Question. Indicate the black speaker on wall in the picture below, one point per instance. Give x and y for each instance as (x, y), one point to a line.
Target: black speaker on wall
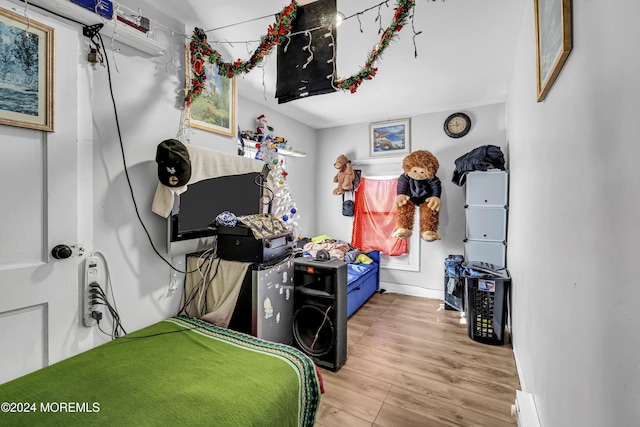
(320, 310)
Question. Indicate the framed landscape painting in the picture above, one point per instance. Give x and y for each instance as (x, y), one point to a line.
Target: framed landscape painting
(214, 110)
(26, 72)
(553, 41)
(391, 138)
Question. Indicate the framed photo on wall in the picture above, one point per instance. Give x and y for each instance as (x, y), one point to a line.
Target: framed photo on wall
(390, 138)
(26, 72)
(553, 41)
(214, 110)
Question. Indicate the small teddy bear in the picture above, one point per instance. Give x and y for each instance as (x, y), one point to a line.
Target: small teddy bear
(345, 175)
(418, 186)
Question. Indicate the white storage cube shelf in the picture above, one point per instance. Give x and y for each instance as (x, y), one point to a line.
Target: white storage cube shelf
(492, 252)
(486, 212)
(486, 223)
(486, 188)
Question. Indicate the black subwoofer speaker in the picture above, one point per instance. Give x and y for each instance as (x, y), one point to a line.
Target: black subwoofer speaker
(320, 310)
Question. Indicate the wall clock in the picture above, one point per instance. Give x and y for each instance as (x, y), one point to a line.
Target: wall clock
(457, 125)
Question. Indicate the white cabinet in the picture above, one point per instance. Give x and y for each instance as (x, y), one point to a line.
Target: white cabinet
(486, 212)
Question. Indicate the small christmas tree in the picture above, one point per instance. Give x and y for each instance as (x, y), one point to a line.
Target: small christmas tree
(283, 206)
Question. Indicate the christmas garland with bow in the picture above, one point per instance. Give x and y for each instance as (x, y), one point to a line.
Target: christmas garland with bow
(201, 51)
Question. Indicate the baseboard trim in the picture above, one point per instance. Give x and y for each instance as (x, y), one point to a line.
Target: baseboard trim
(526, 412)
(415, 291)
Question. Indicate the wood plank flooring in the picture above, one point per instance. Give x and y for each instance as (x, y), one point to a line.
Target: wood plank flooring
(410, 363)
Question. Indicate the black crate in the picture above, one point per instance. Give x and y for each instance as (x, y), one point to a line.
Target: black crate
(486, 311)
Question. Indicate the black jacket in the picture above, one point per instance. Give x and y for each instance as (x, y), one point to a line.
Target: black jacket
(478, 159)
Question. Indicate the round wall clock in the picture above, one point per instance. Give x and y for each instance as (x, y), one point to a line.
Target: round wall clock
(457, 125)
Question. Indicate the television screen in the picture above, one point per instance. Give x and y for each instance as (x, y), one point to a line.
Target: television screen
(203, 201)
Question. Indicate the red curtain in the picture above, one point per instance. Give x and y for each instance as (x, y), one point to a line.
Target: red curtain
(375, 217)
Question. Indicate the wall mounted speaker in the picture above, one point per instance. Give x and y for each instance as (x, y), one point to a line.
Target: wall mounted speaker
(320, 310)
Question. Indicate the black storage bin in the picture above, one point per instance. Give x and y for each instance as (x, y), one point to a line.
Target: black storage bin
(454, 285)
(486, 298)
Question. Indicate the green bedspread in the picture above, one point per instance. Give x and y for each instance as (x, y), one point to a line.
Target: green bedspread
(176, 372)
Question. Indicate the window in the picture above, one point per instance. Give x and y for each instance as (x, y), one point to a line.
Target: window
(375, 220)
(375, 217)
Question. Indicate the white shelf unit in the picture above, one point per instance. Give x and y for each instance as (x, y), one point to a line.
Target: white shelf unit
(117, 30)
(282, 151)
(486, 212)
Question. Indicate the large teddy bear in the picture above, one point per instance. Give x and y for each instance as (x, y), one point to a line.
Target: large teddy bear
(418, 186)
(345, 175)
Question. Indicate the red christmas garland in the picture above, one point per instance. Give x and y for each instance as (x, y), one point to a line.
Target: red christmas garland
(368, 72)
(201, 51)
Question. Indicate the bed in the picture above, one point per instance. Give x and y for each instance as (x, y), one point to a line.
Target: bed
(180, 371)
(363, 280)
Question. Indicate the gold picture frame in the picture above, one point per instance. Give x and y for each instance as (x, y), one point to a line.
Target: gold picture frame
(26, 72)
(214, 110)
(553, 41)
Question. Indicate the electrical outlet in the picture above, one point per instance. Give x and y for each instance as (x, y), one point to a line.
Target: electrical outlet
(92, 276)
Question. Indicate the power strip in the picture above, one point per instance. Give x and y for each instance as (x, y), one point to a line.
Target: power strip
(92, 274)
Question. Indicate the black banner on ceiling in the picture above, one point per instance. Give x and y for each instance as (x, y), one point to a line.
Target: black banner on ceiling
(297, 76)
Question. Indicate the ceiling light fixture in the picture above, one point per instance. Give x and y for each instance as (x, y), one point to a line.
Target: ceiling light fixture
(339, 18)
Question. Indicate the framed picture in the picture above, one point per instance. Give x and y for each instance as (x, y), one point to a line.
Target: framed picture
(390, 138)
(215, 109)
(26, 72)
(553, 41)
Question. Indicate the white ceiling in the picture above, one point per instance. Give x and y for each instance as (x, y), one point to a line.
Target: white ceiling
(465, 56)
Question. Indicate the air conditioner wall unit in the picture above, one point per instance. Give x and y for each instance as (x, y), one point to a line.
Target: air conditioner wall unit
(81, 11)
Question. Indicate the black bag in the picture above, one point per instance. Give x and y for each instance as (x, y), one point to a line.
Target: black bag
(347, 207)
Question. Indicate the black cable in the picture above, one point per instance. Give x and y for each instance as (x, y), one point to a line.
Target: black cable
(126, 168)
(53, 13)
(200, 288)
(124, 161)
(99, 297)
(266, 199)
(273, 14)
(188, 299)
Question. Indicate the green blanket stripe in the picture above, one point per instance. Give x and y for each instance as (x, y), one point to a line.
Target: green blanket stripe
(303, 365)
(194, 381)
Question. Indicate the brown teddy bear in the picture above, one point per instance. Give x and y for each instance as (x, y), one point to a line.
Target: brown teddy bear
(345, 175)
(418, 186)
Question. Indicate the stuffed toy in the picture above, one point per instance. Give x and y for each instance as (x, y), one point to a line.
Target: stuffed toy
(345, 175)
(263, 128)
(418, 186)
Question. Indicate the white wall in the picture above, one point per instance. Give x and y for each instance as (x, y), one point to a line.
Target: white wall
(573, 224)
(488, 127)
(149, 95)
(301, 170)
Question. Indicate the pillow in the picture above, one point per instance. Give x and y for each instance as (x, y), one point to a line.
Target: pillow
(351, 256)
(363, 259)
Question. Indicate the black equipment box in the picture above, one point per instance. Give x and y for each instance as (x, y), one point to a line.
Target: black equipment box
(239, 244)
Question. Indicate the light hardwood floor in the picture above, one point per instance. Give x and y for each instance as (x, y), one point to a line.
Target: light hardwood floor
(412, 363)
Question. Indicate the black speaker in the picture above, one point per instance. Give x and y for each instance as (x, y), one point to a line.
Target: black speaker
(320, 310)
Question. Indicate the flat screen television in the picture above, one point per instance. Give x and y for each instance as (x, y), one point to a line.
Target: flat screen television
(188, 225)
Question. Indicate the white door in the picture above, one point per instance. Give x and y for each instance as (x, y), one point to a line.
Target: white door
(39, 298)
